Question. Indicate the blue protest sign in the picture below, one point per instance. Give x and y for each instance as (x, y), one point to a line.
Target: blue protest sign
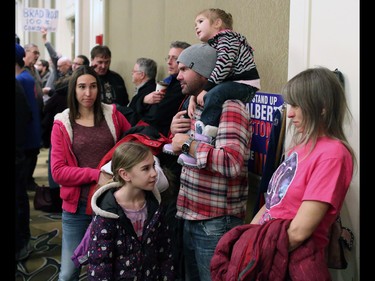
(261, 110)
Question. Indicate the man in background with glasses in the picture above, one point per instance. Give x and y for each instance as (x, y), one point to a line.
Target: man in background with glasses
(144, 80)
(158, 109)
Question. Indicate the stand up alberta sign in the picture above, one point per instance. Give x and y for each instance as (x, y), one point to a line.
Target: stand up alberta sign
(261, 110)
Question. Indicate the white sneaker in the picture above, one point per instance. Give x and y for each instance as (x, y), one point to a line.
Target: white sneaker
(205, 133)
(210, 131)
(199, 127)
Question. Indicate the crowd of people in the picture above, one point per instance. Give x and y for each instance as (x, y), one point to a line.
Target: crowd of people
(81, 111)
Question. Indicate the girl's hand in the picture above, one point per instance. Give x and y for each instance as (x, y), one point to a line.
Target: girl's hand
(192, 106)
(200, 97)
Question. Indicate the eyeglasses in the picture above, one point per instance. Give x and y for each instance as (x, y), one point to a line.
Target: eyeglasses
(172, 58)
(136, 71)
(76, 63)
(34, 52)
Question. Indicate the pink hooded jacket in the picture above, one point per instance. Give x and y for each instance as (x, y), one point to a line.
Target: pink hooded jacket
(64, 165)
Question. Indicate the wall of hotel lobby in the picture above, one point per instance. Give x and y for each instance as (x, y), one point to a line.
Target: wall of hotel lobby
(144, 28)
(288, 36)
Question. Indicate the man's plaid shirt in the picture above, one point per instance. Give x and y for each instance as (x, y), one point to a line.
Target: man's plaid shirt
(220, 186)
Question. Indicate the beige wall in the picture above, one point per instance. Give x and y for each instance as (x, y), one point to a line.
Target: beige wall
(143, 28)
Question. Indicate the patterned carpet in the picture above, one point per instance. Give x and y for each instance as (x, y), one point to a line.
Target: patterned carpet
(43, 264)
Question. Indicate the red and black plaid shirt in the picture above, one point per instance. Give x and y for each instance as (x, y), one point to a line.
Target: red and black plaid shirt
(220, 186)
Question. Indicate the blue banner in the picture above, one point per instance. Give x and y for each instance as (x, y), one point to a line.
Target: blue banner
(261, 110)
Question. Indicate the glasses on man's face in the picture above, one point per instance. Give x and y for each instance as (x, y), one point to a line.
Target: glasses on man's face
(76, 63)
(34, 52)
(172, 58)
(136, 71)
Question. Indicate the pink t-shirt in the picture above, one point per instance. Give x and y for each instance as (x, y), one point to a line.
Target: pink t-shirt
(323, 175)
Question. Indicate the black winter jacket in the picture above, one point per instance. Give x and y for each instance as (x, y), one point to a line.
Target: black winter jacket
(115, 252)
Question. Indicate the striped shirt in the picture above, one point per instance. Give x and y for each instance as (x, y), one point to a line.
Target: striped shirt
(220, 186)
(235, 59)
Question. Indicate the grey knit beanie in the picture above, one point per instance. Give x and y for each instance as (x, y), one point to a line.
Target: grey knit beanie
(199, 57)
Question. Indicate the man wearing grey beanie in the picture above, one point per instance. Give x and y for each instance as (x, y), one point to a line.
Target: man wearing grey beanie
(199, 57)
(212, 197)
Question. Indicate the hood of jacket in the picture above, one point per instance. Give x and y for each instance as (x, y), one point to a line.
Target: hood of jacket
(63, 117)
(112, 206)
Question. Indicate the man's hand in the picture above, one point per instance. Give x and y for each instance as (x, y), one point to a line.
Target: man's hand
(104, 178)
(178, 140)
(154, 97)
(180, 124)
(44, 34)
(46, 90)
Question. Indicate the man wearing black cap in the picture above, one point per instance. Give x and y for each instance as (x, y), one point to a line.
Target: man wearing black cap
(212, 198)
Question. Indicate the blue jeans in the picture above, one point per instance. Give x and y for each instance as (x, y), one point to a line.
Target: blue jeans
(73, 229)
(215, 98)
(200, 240)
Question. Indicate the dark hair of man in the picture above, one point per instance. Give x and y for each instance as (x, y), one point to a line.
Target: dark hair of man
(44, 63)
(179, 45)
(72, 101)
(100, 51)
(85, 59)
